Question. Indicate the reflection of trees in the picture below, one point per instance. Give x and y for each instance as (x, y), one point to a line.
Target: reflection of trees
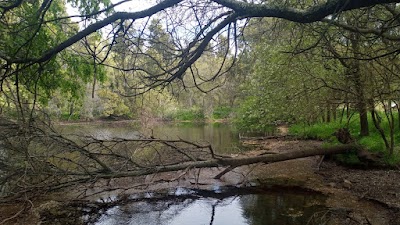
(278, 208)
(148, 212)
(170, 208)
(221, 137)
(144, 210)
(163, 212)
(214, 205)
(141, 209)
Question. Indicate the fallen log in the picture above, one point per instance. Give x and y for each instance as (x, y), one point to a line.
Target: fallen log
(93, 159)
(234, 162)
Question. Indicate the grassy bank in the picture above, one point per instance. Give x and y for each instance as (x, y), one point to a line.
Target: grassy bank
(373, 142)
(219, 114)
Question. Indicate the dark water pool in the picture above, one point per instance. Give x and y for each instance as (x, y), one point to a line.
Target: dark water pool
(269, 207)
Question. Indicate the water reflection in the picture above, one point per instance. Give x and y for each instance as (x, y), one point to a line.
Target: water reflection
(252, 209)
(188, 208)
(222, 137)
(102, 130)
(288, 208)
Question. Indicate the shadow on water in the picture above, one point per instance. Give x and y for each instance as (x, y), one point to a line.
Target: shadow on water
(229, 207)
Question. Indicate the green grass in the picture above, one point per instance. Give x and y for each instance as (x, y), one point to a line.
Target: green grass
(317, 131)
(193, 114)
(373, 142)
(222, 112)
(393, 159)
(72, 117)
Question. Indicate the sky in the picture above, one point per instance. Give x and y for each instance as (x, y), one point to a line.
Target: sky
(130, 6)
(134, 5)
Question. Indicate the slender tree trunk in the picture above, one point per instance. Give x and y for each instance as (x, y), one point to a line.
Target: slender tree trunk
(334, 112)
(328, 112)
(342, 114)
(359, 85)
(398, 114)
(390, 119)
(391, 125)
(364, 130)
(379, 128)
(94, 72)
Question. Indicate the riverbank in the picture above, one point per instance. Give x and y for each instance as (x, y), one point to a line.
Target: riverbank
(353, 196)
(357, 196)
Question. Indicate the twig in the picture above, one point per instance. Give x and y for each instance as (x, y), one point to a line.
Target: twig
(228, 169)
(320, 162)
(16, 214)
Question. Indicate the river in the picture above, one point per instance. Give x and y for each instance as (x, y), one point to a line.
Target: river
(184, 206)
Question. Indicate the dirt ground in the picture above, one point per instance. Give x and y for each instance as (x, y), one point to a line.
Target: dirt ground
(367, 196)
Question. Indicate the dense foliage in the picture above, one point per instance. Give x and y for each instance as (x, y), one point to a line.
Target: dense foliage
(231, 62)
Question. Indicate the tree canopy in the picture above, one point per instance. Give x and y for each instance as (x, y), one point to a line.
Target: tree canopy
(192, 28)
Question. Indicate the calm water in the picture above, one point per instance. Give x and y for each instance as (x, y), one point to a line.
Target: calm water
(271, 207)
(222, 137)
(275, 208)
